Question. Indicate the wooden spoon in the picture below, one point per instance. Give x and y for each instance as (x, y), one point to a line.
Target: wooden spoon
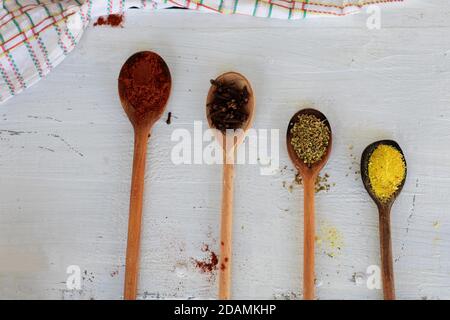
(309, 176)
(229, 151)
(144, 88)
(384, 210)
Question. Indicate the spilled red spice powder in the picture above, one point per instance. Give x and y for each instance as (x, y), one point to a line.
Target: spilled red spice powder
(113, 20)
(223, 265)
(209, 265)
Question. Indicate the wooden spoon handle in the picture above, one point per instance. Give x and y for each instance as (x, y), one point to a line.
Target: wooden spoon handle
(387, 269)
(226, 232)
(135, 218)
(309, 238)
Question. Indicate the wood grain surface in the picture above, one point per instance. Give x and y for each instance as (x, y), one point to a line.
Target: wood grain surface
(66, 151)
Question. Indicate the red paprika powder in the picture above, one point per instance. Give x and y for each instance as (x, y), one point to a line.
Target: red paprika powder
(113, 20)
(146, 82)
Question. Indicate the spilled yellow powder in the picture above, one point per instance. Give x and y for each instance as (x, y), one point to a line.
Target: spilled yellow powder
(330, 239)
(436, 225)
(386, 171)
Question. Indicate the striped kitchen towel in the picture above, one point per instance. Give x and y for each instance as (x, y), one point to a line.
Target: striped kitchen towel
(36, 35)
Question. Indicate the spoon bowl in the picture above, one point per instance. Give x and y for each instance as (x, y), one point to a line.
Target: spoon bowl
(365, 172)
(240, 82)
(144, 87)
(300, 165)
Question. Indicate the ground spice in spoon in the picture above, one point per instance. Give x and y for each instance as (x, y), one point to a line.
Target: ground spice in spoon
(146, 81)
(386, 171)
(228, 108)
(310, 138)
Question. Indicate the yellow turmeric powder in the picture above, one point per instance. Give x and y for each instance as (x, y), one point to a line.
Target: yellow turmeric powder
(386, 171)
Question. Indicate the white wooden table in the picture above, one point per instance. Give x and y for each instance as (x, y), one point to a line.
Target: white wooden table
(66, 152)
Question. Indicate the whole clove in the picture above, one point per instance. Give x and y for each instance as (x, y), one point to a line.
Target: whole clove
(228, 107)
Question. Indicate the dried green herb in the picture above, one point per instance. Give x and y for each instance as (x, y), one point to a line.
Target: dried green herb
(228, 108)
(310, 138)
(321, 183)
